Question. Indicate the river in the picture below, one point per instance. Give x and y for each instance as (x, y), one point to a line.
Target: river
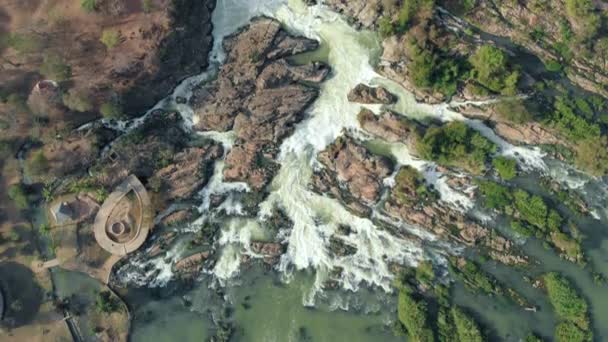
(288, 303)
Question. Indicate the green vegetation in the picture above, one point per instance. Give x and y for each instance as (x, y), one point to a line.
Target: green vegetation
(111, 110)
(513, 110)
(532, 217)
(55, 68)
(491, 69)
(37, 164)
(147, 5)
(569, 332)
(478, 281)
(88, 5)
(569, 118)
(17, 194)
(432, 69)
(410, 187)
(456, 144)
(532, 338)
(25, 43)
(110, 38)
(410, 11)
(592, 155)
(582, 13)
(506, 167)
(570, 307)
(106, 303)
(77, 101)
(90, 185)
(466, 328)
(413, 315)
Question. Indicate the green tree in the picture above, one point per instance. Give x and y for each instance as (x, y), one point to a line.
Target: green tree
(147, 5)
(413, 315)
(466, 328)
(568, 304)
(55, 68)
(110, 38)
(491, 69)
(506, 167)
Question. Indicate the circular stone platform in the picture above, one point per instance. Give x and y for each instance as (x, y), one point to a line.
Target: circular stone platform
(125, 218)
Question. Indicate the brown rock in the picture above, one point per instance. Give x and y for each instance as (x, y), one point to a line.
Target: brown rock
(351, 173)
(189, 171)
(371, 95)
(191, 266)
(390, 127)
(260, 96)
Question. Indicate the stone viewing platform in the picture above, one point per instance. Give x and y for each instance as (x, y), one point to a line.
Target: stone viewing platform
(124, 219)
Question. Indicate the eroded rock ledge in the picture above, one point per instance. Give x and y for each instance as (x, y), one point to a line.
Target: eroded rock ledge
(260, 95)
(354, 176)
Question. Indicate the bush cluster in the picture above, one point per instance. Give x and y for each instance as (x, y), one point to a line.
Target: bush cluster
(570, 307)
(456, 144)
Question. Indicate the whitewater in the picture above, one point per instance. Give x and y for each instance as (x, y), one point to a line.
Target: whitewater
(316, 217)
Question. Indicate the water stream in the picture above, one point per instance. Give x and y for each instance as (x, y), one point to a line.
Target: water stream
(308, 263)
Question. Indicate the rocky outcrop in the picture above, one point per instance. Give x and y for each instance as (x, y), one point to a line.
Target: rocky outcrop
(390, 126)
(189, 171)
(145, 149)
(270, 251)
(259, 95)
(352, 174)
(529, 133)
(190, 267)
(408, 203)
(371, 95)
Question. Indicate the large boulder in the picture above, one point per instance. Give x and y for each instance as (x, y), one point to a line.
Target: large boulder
(259, 95)
(371, 95)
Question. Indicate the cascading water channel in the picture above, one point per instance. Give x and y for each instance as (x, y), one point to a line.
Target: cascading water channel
(317, 217)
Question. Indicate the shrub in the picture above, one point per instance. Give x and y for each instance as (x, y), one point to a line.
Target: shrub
(506, 167)
(110, 38)
(54, 67)
(569, 123)
(582, 12)
(568, 305)
(432, 70)
(410, 186)
(456, 144)
(106, 303)
(111, 110)
(491, 69)
(88, 5)
(569, 332)
(466, 328)
(17, 194)
(513, 110)
(386, 27)
(592, 155)
(531, 208)
(413, 315)
(553, 66)
(77, 101)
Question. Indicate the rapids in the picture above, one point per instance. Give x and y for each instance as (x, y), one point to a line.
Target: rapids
(351, 54)
(351, 57)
